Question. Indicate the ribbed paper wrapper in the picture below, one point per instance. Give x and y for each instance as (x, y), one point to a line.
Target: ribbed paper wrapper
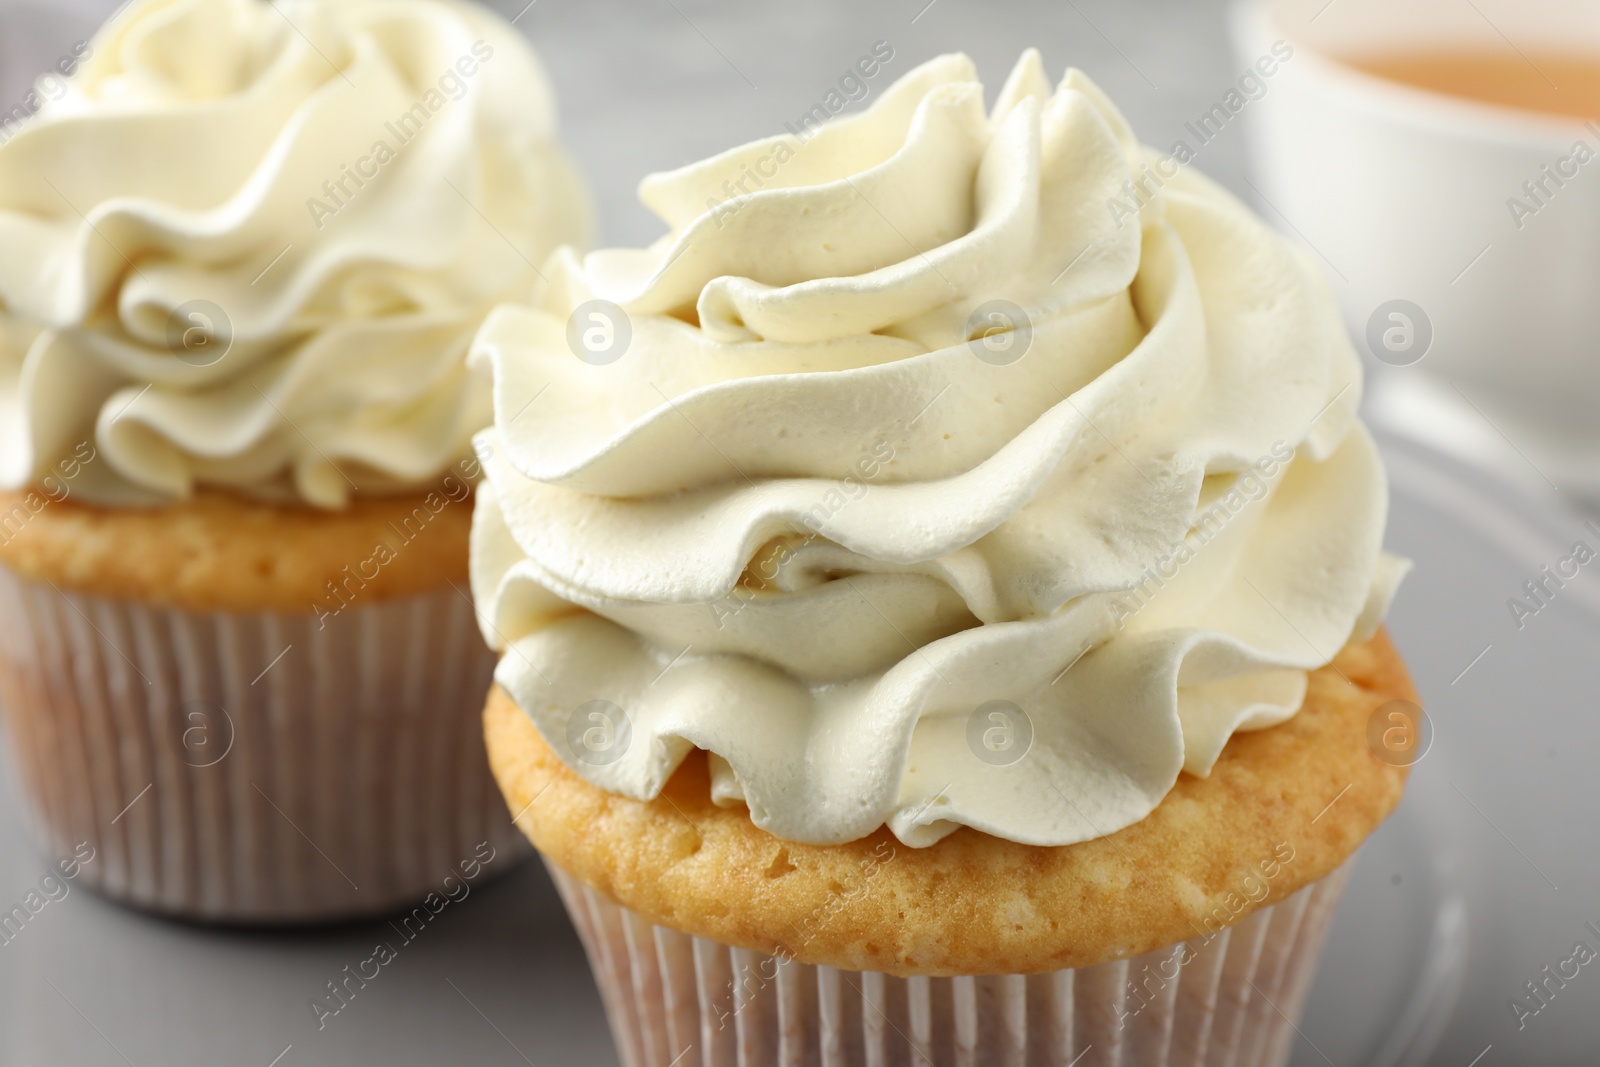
(252, 768)
(1232, 999)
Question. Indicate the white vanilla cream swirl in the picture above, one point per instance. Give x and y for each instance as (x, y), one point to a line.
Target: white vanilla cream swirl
(800, 524)
(226, 152)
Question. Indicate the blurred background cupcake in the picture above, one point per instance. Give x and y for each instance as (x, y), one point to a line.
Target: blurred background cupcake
(245, 247)
(938, 586)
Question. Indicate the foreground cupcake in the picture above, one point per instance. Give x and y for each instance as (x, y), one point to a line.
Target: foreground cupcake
(938, 590)
(241, 261)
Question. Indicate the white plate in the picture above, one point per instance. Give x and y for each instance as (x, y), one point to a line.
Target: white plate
(1391, 975)
(1499, 814)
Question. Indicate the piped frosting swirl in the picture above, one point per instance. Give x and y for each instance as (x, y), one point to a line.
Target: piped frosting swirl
(250, 244)
(929, 490)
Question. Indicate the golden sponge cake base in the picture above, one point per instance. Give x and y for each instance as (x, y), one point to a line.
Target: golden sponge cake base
(972, 904)
(219, 552)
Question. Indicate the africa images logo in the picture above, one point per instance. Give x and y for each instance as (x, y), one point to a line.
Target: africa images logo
(452, 85)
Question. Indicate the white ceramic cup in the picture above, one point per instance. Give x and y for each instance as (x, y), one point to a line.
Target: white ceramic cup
(1404, 195)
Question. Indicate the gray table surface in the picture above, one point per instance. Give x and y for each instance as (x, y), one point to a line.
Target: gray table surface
(1454, 904)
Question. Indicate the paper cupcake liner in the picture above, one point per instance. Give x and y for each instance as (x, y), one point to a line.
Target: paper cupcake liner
(257, 767)
(1228, 1000)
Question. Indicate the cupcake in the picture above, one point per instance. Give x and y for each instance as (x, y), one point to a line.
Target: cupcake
(243, 254)
(938, 588)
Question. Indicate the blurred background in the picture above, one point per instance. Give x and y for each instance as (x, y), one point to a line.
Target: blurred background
(1473, 316)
